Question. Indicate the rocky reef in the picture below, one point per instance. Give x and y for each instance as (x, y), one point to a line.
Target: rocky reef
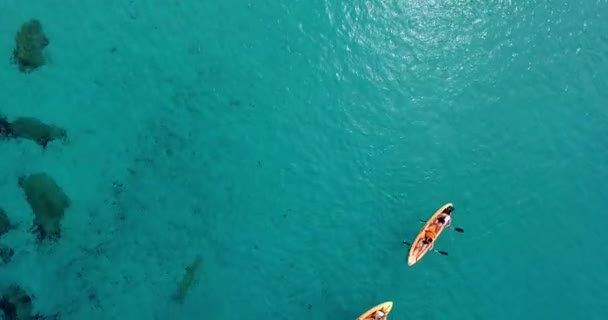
(36, 130)
(187, 280)
(30, 42)
(6, 254)
(16, 304)
(32, 129)
(48, 201)
(5, 224)
(5, 128)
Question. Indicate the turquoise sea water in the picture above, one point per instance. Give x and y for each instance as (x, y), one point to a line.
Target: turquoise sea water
(294, 145)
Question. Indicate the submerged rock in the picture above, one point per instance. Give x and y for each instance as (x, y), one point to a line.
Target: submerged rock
(6, 253)
(36, 130)
(16, 304)
(30, 41)
(187, 280)
(48, 201)
(5, 224)
(5, 128)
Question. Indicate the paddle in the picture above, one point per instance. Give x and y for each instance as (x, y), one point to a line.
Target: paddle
(457, 229)
(434, 250)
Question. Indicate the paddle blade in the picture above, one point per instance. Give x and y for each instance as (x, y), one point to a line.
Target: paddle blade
(443, 253)
(459, 229)
(406, 243)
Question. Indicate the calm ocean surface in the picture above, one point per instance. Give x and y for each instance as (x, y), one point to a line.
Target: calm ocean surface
(312, 136)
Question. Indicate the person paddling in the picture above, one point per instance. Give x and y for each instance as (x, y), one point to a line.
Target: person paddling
(444, 221)
(429, 236)
(379, 312)
(379, 315)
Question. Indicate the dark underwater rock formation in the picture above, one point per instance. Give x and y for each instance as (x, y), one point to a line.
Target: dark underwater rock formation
(187, 280)
(5, 223)
(30, 41)
(16, 304)
(5, 128)
(48, 201)
(6, 254)
(35, 130)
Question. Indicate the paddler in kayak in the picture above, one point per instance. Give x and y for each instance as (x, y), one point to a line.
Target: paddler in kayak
(429, 236)
(379, 312)
(379, 315)
(443, 221)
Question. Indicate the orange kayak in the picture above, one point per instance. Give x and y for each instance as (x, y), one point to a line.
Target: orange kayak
(418, 249)
(384, 307)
